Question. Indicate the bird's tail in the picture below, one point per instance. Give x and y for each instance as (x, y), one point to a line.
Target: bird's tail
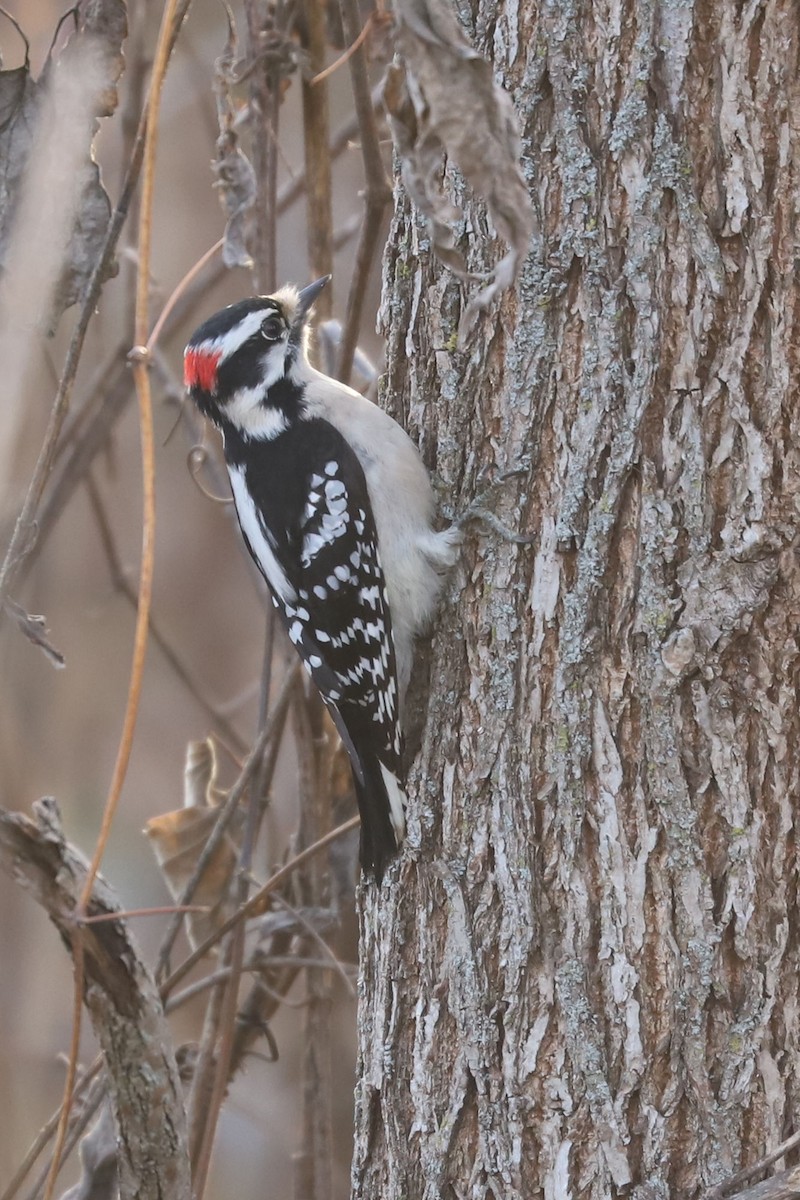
(380, 791)
(381, 802)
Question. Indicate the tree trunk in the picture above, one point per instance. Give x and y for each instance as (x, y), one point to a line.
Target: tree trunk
(581, 981)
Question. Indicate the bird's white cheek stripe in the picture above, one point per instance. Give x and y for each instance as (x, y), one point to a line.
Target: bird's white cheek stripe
(253, 531)
(246, 411)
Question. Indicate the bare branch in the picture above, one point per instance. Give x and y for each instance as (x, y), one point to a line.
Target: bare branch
(220, 723)
(377, 195)
(269, 733)
(24, 535)
(728, 1187)
(122, 1000)
(319, 223)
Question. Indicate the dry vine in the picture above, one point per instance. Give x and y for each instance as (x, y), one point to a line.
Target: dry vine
(77, 435)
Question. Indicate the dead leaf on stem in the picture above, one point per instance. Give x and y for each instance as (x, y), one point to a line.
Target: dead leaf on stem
(444, 100)
(235, 178)
(179, 838)
(51, 195)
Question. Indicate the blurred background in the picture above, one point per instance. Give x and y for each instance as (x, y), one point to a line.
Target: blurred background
(59, 729)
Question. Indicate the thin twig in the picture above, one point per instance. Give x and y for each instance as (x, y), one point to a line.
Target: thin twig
(203, 1074)
(728, 1187)
(78, 1124)
(227, 1022)
(377, 195)
(256, 901)
(165, 41)
(341, 140)
(343, 58)
(121, 583)
(72, 1062)
(313, 1166)
(264, 998)
(179, 291)
(331, 959)
(104, 378)
(234, 950)
(319, 201)
(197, 988)
(263, 109)
(46, 1133)
(226, 813)
(142, 382)
(318, 964)
(160, 910)
(109, 393)
(18, 28)
(103, 409)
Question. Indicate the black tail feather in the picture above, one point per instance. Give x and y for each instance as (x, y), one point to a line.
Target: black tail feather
(379, 838)
(382, 814)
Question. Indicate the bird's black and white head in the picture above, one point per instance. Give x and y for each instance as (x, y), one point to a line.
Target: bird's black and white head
(245, 366)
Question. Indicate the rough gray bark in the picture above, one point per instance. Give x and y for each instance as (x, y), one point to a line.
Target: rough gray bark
(581, 981)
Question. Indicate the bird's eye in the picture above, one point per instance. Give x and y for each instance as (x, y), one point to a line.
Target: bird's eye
(272, 328)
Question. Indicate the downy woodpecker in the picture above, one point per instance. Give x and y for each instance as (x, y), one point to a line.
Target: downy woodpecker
(335, 507)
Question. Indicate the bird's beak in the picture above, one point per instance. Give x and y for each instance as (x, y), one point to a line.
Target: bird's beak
(306, 299)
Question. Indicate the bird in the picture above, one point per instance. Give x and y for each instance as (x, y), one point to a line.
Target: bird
(337, 510)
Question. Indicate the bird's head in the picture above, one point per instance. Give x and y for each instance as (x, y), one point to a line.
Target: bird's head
(235, 360)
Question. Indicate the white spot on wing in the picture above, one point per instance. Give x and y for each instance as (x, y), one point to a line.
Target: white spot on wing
(312, 544)
(311, 507)
(369, 595)
(334, 524)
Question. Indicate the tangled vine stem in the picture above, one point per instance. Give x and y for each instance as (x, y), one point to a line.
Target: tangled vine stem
(140, 356)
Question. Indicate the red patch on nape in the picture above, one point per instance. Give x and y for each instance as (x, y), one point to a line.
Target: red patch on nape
(200, 369)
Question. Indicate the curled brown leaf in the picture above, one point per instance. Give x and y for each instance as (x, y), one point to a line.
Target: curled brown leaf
(179, 838)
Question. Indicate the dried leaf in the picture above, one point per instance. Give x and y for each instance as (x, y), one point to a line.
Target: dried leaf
(421, 156)
(19, 100)
(105, 23)
(235, 177)
(52, 203)
(179, 838)
(200, 776)
(449, 103)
